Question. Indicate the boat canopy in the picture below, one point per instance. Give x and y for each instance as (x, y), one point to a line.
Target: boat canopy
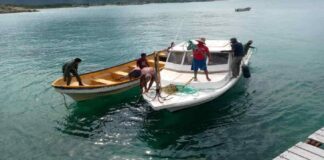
(180, 59)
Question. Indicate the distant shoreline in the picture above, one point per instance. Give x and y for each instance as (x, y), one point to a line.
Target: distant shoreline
(15, 9)
(9, 8)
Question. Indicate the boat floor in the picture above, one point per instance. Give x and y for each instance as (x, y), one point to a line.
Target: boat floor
(173, 77)
(203, 91)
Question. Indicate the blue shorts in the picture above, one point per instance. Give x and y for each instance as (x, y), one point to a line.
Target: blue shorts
(198, 64)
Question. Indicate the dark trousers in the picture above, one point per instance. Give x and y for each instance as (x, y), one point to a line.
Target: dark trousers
(235, 66)
(68, 78)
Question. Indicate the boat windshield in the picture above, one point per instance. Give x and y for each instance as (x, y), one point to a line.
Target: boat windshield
(188, 58)
(176, 57)
(218, 58)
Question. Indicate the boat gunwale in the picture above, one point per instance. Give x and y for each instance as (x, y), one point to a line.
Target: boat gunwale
(199, 72)
(93, 86)
(93, 90)
(99, 86)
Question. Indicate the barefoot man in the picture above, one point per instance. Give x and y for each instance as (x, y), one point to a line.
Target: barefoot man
(200, 54)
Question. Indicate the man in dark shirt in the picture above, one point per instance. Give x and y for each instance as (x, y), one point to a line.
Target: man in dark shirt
(71, 67)
(142, 62)
(238, 54)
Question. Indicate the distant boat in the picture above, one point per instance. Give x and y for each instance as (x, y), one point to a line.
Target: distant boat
(104, 82)
(242, 9)
(179, 91)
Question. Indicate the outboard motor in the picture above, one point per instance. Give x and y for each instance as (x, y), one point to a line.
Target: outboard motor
(246, 71)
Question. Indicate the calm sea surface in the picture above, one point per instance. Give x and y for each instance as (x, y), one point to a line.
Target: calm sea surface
(280, 105)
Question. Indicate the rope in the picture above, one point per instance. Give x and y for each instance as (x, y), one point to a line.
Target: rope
(157, 78)
(172, 89)
(138, 100)
(255, 50)
(178, 30)
(65, 104)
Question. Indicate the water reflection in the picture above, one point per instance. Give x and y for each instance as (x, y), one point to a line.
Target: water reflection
(186, 129)
(96, 117)
(120, 121)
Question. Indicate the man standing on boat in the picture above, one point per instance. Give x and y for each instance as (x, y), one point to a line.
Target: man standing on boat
(200, 53)
(71, 68)
(238, 54)
(142, 62)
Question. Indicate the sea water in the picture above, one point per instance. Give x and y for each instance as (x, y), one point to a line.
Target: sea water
(280, 105)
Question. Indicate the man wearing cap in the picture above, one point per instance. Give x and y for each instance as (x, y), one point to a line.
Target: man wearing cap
(238, 54)
(71, 68)
(200, 53)
(142, 62)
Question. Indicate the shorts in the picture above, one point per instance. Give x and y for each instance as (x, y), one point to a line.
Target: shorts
(135, 73)
(198, 64)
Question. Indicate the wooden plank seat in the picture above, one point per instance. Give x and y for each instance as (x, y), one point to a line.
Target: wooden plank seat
(152, 61)
(311, 148)
(318, 136)
(105, 81)
(161, 62)
(121, 73)
(132, 67)
(302, 151)
(289, 156)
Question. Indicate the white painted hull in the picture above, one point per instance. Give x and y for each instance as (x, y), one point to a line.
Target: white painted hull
(85, 94)
(207, 91)
(181, 101)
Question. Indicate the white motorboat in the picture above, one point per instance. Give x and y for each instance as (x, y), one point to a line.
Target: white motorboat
(177, 74)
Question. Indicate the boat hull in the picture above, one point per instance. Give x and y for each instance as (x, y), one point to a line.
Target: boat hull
(179, 102)
(86, 94)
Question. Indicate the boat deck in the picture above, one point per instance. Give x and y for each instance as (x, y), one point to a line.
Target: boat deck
(309, 150)
(173, 77)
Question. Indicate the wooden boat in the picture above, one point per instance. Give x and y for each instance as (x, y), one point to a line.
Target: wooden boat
(104, 82)
(188, 93)
(242, 9)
